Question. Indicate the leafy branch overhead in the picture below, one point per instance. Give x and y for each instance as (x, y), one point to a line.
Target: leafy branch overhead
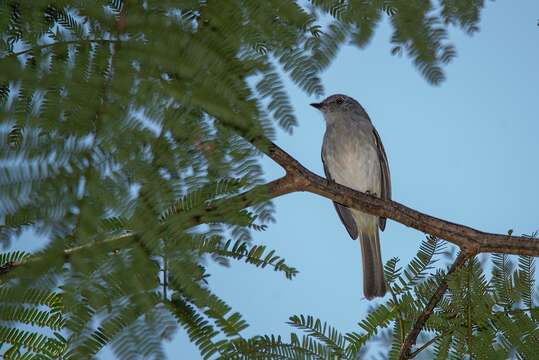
(131, 134)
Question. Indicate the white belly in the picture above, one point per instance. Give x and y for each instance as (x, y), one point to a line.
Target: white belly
(353, 163)
(352, 160)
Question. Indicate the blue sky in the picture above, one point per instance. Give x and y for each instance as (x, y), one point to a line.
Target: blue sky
(465, 151)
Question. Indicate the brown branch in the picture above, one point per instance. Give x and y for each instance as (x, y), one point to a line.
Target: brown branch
(427, 312)
(468, 239)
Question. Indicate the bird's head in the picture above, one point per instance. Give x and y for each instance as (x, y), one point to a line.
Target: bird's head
(337, 103)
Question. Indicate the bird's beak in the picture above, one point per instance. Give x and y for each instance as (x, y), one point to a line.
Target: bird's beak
(317, 105)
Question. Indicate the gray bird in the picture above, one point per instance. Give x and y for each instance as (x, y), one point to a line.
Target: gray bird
(353, 155)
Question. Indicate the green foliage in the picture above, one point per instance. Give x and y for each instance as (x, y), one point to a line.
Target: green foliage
(123, 128)
(255, 255)
(472, 320)
(24, 315)
(323, 333)
(418, 268)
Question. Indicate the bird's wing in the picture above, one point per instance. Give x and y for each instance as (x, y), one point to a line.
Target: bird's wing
(344, 213)
(386, 178)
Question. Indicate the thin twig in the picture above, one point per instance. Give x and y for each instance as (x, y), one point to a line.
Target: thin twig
(69, 42)
(468, 308)
(113, 243)
(427, 312)
(400, 317)
(425, 345)
(165, 271)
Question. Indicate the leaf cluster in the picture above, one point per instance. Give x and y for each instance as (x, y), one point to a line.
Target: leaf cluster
(481, 316)
(120, 146)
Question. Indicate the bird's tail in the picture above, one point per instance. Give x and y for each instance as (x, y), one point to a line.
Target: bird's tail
(373, 271)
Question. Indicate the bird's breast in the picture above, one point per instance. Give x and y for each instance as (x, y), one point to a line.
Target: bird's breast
(351, 157)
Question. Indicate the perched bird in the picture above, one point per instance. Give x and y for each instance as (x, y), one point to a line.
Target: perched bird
(353, 155)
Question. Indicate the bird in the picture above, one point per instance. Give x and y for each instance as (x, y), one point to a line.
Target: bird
(353, 155)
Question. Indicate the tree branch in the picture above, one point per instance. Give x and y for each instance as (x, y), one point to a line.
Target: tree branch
(468, 239)
(298, 178)
(426, 313)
